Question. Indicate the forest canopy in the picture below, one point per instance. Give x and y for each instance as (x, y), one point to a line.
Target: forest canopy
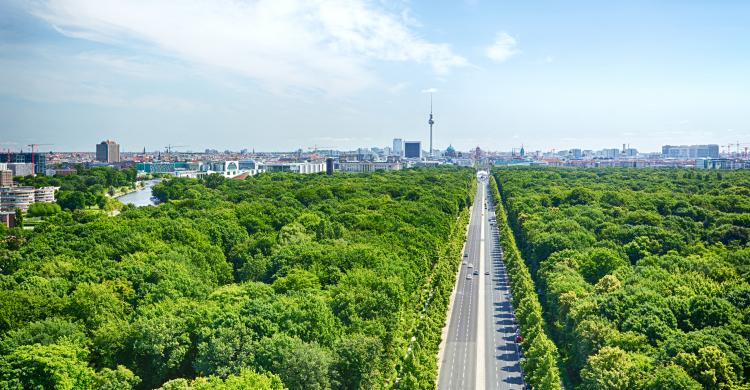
(300, 281)
(643, 273)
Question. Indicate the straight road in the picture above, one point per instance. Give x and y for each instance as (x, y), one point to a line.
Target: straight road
(480, 349)
(503, 356)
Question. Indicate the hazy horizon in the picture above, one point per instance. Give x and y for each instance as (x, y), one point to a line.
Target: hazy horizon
(283, 74)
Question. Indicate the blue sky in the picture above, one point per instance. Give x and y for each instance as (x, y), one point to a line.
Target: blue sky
(285, 74)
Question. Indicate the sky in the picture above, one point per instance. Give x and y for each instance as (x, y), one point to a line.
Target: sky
(277, 75)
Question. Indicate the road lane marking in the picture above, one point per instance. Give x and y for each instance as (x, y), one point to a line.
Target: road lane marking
(480, 379)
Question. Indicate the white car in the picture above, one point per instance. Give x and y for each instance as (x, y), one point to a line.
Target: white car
(471, 265)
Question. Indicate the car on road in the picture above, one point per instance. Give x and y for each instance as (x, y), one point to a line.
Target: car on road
(466, 255)
(468, 276)
(476, 272)
(486, 272)
(471, 265)
(463, 262)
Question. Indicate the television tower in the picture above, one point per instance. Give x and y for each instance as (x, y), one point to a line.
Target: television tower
(431, 122)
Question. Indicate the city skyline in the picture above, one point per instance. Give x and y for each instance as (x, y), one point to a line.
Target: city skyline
(284, 75)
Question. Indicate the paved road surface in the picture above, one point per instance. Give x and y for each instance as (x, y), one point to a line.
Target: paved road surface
(480, 350)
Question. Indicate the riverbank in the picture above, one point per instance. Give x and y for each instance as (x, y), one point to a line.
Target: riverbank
(141, 196)
(120, 192)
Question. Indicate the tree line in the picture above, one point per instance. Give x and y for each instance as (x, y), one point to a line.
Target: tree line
(540, 360)
(279, 280)
(643, 274)
(84, 188)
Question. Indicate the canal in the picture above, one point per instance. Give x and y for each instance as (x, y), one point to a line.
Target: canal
(142, 197)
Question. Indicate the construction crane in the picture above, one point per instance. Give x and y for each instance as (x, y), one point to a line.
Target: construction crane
(315, 148)
(33, 164)
(737, 150)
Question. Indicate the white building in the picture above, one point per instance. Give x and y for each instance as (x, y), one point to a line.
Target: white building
(305, 168)
(228, 169)
(398, 147)
(190, 174)
(368, 166)
(224, 168)
(690, 151)
(21, 169)
(45, 194)
(12, 198)
(463, 162)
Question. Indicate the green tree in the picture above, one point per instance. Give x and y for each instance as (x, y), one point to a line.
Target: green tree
(213, 180)
(227, 349)
(299, 365)
(245, 380)
(19, 218)
(707, 311)
(117, 379)
(71, 200)
(614, 369)
(296, 280)
(672, 377)
(599, 262)
(355, 360)
(710, 366)
(48, 331)
(54, 366)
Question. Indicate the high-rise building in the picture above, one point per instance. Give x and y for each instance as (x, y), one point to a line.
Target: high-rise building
(38, 159)
(6, 178)
(329, 166)
(611, 153)
(108, 151)
(398, 147)
(690, 151)
(21, 169)
(413, 149)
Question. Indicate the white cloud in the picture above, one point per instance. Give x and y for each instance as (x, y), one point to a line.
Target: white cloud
(503, 49)
(397, 88)
(44, 86)
(429, 90)
(285, 45)
(124, 65)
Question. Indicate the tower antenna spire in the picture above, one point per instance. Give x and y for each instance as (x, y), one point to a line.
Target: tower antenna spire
(431, 122)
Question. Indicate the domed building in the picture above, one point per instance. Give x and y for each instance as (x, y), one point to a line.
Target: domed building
(450, 152)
